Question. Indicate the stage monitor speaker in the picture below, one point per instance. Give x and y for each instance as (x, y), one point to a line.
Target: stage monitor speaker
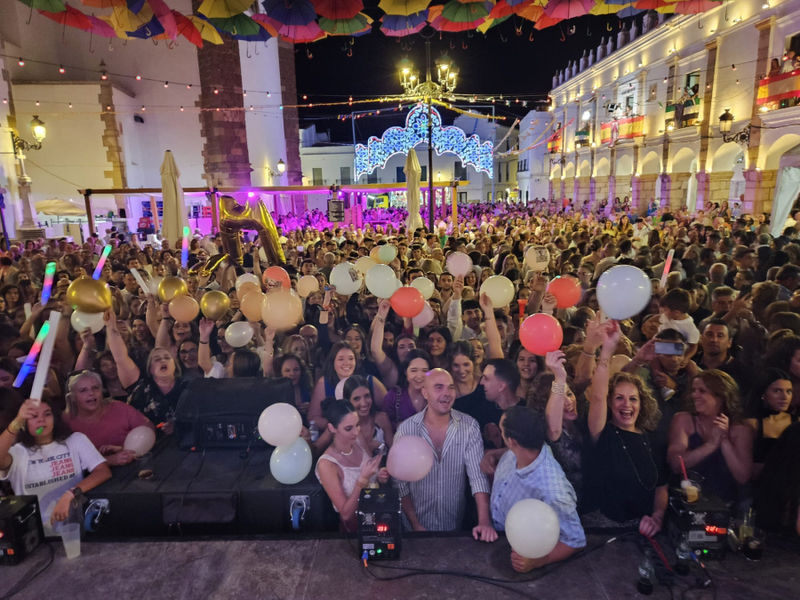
(223, 413)
(20, 528)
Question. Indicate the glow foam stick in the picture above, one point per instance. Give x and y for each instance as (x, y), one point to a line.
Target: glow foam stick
(31, 358)
(49, 274)
(43, 366)
(667, 265)
(27, 308)
(185, 251)
(140, 281)
(98, 270)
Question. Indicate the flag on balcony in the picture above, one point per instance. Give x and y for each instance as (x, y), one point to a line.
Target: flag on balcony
(779, 87)
(621, 129)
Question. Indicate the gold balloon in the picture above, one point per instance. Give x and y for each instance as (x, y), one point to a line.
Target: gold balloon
(170, 287)
(184, 308)
(251, 305)
(233, 218)
(89, 295)
(215, 304)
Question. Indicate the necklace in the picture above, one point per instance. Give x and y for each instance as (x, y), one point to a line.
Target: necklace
(649, 454)
(345, 453)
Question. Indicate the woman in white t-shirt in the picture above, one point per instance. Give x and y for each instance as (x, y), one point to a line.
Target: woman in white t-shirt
(49, 461)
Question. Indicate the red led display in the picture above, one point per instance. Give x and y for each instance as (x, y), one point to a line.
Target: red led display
(383, 528)
(716, 530)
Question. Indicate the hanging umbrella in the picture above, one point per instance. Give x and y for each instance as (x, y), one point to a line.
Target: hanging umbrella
(101, 28)
(693, 7)
(345, 26)
(413, 175)
(658, 5)
(603, 9)
(150, 29)
(237, 25)
(290, 12)
(630, 11)
(442, 24)
(166, 17)
(403, 7)
(501, 9)
(223, 9)
(400, 25)
(103, 3)
(175, 218)
(121, 18)
(206, 29)
(489, 23)
(262, 36)
(69, 17)
(265, 22)
(546, 21)
(434, 12)
(568, 9)
(338, 9)
(52, 6)
(456, 12)
(297, 34)
(184, 27)
(134, 5)
(531, 12)
(516, 2)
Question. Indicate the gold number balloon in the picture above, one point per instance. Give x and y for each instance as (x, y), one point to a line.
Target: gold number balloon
(170, 287)
(233, 218)
(89, 295)
(215, 304)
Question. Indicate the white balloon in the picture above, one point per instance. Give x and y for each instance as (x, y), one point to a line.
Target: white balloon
(280, 424)
(307, 286)
(623, 291)
(532, 528)
(398, 283)
(458, 263)
(247, 277)
(290, 464)
(499, 289)
(424, 285)
(238, 334)
(537, 258)
(346, 279)
(140, 439)
(387, 253)
(338, 393)
(380, 281)
(425, 317)
(81, 320)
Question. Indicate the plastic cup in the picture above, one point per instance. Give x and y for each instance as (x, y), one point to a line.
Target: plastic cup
(71, 536)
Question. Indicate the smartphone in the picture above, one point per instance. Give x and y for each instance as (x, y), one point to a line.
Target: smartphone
(669, 348)
(379, 450)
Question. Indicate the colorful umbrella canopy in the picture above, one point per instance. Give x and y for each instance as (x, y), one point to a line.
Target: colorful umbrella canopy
(489, 23)
(265, 22)
(103, 3)
(262, 36)
(658, 5)
(124, 19)
(354, 26)
(70, 17)
(297, 34)
(630, 11)
(546, 21)
(457, 12)
(166, 17)
(501, 9)
(223, 9)
(693, 7)
(602, 9)
(515, 2)
(185, 28)
(52, 6)
(400, 25)
(403, 7)
(531, 12)
(101, 28)
(338, 9)
(206, 29)
(568, 9)
(290, 12)
(150, 29)
(442, 24)
(237, 25)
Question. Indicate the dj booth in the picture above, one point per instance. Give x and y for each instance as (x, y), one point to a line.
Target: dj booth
(212, 476)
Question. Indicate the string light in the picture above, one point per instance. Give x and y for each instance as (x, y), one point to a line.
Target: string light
(37, 103)
(251, 107)
(5, 100)
(305, 97)
(216, 91)
(62, 70)
(70, 104)
(245, 93)
(21, 62)
(143, 108)
(269, 95)
(733, 67)
(108, 107)
(189, 86)
(166, 84)
(181, 109)
(104, 76)
(281, 107)
(665, 80)
(138, 78)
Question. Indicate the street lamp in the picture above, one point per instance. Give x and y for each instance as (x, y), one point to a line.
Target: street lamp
(725, 122)
(39, 131)
(429, 90)
(281, 170)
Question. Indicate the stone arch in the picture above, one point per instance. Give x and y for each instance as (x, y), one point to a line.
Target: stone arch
(569, 170)
(602, 168)
(651, 164)
(585, 169)
(726, 157)
(682, 161)
(777, 149)
(624, 166)
(556, 172)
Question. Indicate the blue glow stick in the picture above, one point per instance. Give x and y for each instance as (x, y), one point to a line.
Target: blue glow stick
(49, 274)
(98, 270)
(31, 358)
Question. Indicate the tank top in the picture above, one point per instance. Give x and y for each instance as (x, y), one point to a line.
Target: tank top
(763, 445)
(350, 473)
(717, 477)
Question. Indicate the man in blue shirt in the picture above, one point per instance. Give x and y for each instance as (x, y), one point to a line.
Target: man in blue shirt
(529, 470)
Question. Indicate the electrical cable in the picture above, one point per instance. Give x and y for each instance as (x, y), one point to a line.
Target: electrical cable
(23, 583)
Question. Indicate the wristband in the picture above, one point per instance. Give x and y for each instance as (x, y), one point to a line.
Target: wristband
(559, 389)
(16, 427)
(202, 342)
(592, 354)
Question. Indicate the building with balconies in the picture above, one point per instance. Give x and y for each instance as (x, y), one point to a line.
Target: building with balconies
(640, 116)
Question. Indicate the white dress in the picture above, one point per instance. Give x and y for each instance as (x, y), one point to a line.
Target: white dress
(351, 474)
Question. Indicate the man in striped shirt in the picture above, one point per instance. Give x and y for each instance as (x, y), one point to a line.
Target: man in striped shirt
(436, 502)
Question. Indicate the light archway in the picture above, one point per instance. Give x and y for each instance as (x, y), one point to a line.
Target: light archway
(602, 168)
(726, 157)
(556, 172)
(776, 150)
(586, 169)
(569, 170)
(651, 164)
(682, 161)
(624, 166)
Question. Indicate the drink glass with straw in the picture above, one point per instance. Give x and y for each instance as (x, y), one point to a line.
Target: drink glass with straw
(687, 485)
(43, 347)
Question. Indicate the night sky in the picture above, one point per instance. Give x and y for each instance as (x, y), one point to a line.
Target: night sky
(500, 62)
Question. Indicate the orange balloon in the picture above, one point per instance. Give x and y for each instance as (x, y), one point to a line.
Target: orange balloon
(251, 305)
(282, 310)
(246, 288)
(278, 274)
(540, 334)
(407, 302)
(184, 308)
(566, 289)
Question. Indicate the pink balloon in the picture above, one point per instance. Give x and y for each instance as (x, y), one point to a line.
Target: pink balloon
(540, 334)
(410, 459)
(459, 263)
(423, 318)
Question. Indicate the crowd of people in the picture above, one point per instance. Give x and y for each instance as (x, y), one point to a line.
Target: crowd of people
(600, 430)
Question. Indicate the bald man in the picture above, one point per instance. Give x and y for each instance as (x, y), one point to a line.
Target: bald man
(436, 502)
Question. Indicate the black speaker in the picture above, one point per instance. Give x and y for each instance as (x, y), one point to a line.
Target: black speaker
(223, 413)
(20, 528)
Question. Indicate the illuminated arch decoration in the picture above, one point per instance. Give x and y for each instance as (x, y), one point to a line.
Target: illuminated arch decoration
(399, 140)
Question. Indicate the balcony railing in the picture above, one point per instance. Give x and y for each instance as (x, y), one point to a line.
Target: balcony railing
(779, 91)
(682, 114)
